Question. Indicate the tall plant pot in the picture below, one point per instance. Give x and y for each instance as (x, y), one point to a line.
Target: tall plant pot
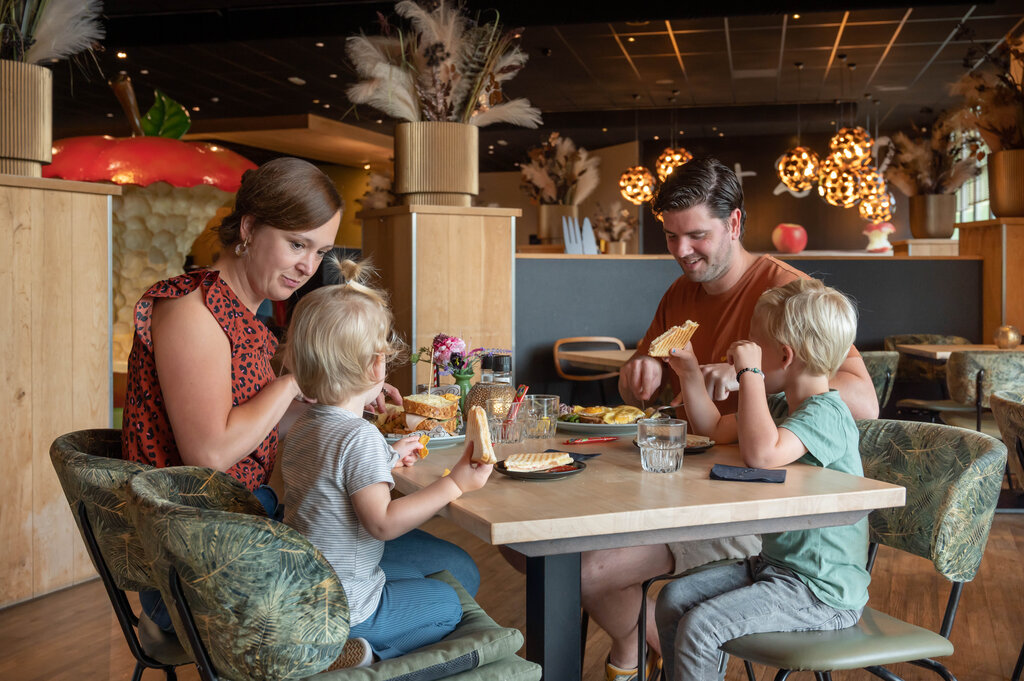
(1006, 183)
(26, 118)
(932, 216)
(437, 164)
(549, 221)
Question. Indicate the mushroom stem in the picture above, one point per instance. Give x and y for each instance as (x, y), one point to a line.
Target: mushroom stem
(121, 84)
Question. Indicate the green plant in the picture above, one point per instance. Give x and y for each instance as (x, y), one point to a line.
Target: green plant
(37, 31)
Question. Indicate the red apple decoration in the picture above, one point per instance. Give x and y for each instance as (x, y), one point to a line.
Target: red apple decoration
(789, 238)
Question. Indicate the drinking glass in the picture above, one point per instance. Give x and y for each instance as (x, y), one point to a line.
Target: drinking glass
(662, 442)
(502, 430)
(542, 415)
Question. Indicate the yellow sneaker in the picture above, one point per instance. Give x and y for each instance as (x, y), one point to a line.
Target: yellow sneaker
(613, 673)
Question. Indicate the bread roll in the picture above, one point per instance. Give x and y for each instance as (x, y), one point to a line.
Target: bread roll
(479, 434)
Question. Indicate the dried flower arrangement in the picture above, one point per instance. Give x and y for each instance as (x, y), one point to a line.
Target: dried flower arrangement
(993, 94)
(614, 224)
(442, 66)
(378, 193)
(37, 31)
(935, 160)
(559, 173)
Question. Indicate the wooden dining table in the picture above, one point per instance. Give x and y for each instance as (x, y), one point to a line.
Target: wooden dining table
(607, 360)
(942, 352)
(613, 503)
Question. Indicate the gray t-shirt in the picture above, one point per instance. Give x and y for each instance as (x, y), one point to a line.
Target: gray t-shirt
(329, 455)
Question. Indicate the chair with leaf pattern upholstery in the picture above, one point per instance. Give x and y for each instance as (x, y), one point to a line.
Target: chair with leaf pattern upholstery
(256, 600)
(882, 365)
(920, 368)
(973, 376)
(95, 480)
(1008, 408)
(952, 477)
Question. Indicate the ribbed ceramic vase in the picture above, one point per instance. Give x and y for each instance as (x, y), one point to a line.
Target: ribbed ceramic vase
(932, 216)
(436, 164)
(26, 118)
(549, 221)
(1006, 183)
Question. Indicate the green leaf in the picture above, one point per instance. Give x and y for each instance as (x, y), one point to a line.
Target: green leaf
(166, 118)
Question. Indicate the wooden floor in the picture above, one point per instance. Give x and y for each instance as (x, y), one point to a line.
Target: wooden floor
(73, 635)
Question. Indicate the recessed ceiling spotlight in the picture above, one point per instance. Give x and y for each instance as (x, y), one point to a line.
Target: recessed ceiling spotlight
(122, 55)
(214, 99)
(604, 129)
(333, 75)
(316, 101)
(831, 122)
(502, 143)
(195, 108)
(681, 132)
(144, 72)
(656, 138)
(380, 121)
(796, 16)
(110, 115)
(714, 127)
(490, 146)
(327, 106)
(721, 134)
(54, 60)
(630, 39)
(319, 44)
(490, 151)
(295, 80)
(366, 166)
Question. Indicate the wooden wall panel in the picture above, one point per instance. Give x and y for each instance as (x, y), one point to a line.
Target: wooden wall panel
(54, 308)
(1000, 243)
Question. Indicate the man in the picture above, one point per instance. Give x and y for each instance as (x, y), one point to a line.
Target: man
(701, 205)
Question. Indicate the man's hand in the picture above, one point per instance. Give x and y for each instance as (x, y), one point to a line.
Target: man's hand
(639, 379)
(720, 380)
(388, 391)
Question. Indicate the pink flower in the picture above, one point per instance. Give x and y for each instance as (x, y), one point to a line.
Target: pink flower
(444, 346)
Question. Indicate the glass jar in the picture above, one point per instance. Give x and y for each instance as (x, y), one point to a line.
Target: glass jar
(502, 372)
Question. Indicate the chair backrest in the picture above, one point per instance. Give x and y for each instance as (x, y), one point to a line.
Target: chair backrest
(1002, 371)
(89, 466)
(572, 373)
(1008, 410)
(952, 477)
(920, 368)
(881, 365)
(267, 604)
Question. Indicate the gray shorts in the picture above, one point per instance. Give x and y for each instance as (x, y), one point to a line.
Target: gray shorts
(691, 554)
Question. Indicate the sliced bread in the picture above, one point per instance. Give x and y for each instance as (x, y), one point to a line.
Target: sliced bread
(479, 434)
(430, 406)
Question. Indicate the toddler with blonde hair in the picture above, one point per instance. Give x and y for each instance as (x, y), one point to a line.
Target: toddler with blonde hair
(803, 579)
(337, 474)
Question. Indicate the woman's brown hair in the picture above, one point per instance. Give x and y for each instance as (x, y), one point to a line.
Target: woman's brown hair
(286, 193)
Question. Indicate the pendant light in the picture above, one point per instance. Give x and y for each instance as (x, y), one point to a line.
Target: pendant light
(850, 145)
(673, 156)
(877, 208)
(798, 167)
(636, 184)
(837, 184)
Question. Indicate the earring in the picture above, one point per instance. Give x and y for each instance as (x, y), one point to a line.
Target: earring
(242, 248)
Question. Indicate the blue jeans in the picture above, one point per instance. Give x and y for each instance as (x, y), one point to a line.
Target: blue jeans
(153, 604)
(698, 613)
(427, 554)
(413, 612)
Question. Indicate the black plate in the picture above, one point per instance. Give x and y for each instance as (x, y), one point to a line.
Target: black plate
(688, 450)
(539, 475)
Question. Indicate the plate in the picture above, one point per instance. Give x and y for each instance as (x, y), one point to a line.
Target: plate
(540, 475)
(597, 428)
(435, 442)
(688, 450)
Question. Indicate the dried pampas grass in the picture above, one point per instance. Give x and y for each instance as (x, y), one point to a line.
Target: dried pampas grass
(559, 173)
(934, 161)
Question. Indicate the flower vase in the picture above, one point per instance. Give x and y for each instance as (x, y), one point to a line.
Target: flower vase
(436, 163)
(464, 380)
(1005, 181)
(932, 216)
(26, 114)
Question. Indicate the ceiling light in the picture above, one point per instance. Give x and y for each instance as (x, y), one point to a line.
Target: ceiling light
(630, 39)
(636, 185)
(316, 101)
(318, 44)
(122, 55)
(796, 16)
(798, 168)
(656, 138)
(295, 80)
(110, 115)
(327, 106)
(144, 72)
(878, 208)
(366, 166)
(502, 143)
(671, 159)
(333, 75)
(852, 146)
(214, 99)
(871, 183)
(604, 129)
(195, 108)
(380, 121)
(836, 183)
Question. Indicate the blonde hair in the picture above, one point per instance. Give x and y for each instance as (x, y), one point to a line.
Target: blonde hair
(818, 322)
(336, 333)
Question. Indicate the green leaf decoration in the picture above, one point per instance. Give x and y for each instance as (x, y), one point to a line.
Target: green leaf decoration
(166, 118)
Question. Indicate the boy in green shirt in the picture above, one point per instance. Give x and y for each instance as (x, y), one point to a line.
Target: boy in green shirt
(803, 579)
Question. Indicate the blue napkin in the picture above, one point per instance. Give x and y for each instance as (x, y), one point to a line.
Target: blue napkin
(721, 471)
(575, 455)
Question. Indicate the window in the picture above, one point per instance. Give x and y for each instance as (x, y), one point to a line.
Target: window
(972, 197)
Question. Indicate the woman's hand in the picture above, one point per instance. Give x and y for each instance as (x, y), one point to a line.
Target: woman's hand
(387, 391)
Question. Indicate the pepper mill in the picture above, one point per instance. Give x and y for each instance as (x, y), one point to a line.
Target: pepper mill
(1007, 337)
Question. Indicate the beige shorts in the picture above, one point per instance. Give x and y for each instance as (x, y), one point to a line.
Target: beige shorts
(691, 554)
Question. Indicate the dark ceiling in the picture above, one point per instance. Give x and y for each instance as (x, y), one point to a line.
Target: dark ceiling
(602, 73)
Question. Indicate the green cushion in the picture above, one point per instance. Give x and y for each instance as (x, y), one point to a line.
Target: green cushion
(473, 651)
(876, 639)
(1003, 371)
(879, 363)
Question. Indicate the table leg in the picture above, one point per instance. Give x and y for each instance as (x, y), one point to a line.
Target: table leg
(553, 615)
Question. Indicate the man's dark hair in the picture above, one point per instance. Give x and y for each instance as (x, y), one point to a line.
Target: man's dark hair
(703, 181)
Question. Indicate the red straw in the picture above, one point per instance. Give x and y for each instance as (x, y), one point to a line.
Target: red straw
(514, 408)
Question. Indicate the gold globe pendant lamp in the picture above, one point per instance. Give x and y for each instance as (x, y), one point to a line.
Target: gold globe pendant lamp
(636, 184)
(877, 208)
(798, 168)
(670, 159)
(837, 184)
(871, 182)
(852, 146)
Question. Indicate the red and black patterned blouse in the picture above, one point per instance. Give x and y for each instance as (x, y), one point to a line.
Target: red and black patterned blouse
(146, 436)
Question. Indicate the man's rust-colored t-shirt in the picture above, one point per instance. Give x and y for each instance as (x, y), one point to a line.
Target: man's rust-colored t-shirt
(724, 318)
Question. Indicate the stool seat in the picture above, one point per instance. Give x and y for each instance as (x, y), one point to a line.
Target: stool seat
(876, 640)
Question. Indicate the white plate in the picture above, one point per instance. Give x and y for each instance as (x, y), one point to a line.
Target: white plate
(597, 428)
(435, 442)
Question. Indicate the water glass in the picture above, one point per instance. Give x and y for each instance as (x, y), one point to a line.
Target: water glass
(661, 442)
(503, 431)
(541, 414)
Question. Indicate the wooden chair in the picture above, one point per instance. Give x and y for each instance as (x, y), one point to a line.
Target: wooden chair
(952, 477)
(95, 479)
(576, 374)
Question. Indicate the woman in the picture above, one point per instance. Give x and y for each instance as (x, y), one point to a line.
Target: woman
(201, 391)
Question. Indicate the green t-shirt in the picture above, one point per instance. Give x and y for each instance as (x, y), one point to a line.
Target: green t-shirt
(829, 560)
